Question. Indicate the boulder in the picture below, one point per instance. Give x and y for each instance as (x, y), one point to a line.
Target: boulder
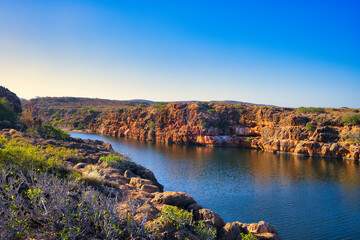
(232, 231)
(179, 199)
(209, 217)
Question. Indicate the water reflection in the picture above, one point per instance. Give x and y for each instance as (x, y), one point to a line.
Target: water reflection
(306, 198)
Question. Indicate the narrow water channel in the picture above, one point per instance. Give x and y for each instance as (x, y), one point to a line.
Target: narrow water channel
(305, 198)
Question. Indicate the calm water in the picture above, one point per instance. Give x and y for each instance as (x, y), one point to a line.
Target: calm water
(305, 198)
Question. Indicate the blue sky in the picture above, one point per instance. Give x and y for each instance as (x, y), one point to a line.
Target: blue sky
(286, 53)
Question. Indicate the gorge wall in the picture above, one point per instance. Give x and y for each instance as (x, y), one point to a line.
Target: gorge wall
(312, 131)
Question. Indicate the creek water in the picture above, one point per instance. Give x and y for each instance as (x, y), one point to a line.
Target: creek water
(305, 198)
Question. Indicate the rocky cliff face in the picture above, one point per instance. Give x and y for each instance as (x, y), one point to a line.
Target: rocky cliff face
(220, 124)
(315, 133)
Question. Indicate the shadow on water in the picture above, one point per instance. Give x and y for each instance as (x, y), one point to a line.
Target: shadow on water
(304, 197)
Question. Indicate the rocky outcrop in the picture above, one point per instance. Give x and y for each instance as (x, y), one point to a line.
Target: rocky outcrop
(270, 128)
(12, 98)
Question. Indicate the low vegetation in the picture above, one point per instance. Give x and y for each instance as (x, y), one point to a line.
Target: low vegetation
(181, 219)
(351, 119)
(310, 110)
(310, 127)
(160, 105)
(49, 131)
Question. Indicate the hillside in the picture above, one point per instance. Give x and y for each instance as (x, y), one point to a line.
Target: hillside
(332, 132)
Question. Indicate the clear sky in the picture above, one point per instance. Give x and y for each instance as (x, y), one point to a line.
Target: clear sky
(286, 53)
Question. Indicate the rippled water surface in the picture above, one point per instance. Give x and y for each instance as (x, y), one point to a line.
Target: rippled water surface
(305, 198)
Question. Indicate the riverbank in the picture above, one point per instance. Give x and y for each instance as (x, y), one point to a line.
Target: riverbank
(328, 132)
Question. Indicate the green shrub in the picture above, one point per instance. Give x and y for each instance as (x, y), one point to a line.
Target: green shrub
(6, 111)
(264, 107)
(25, 156)
(351, 119)
(114, 160)
(310, 127)
(211, 111)
(56, 115)
(152, 125)
(181, 219)
(91, 110)
(204, 125)
(248, 236)
(248, 139)
(176, 217)
(160, 105)
(143, 105)
(49, 131)
(310, 110)
(120, 110)
(239, 106)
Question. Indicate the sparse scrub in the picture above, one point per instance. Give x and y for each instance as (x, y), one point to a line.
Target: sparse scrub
(310, 127)
(352, 137)
(143, 105)
(40, 206)
(239, 106)
(211, 111)
(351, 119)
(160, 105)
(310, 110)
(49, 131)
(117, 161)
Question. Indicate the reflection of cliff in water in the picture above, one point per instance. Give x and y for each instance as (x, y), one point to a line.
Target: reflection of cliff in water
(262, 166)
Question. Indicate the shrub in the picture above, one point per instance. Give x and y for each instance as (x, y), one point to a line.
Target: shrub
(114, 160)
(160, 105)
(91, 111)
(248, 236)
(352, 137)
(40, 206)
(248, 139)
(211, 111)
(176, 217)
(143, 105)
(310, 127)
(49, 131)
(239, 106)
(6, 111)
(26, 156)
(152, 125)
(264, 107)
(181, 219)
(204, 125)
(351, 119)
(310, 110)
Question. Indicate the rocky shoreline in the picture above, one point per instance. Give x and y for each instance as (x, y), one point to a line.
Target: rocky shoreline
(140, 186)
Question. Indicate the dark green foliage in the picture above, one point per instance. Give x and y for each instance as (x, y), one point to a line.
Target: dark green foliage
(6, 111)
(143, 105)
(310, 110)
(351, 119)
(356, 110)
(264, 107)
(160, 105)
(222, 124)
(310, 127)
(211, 111)
(49, 131)
(120, 110)
(91, 110)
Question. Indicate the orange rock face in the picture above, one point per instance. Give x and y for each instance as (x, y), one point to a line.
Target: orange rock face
(217, 124)
(271, 128)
